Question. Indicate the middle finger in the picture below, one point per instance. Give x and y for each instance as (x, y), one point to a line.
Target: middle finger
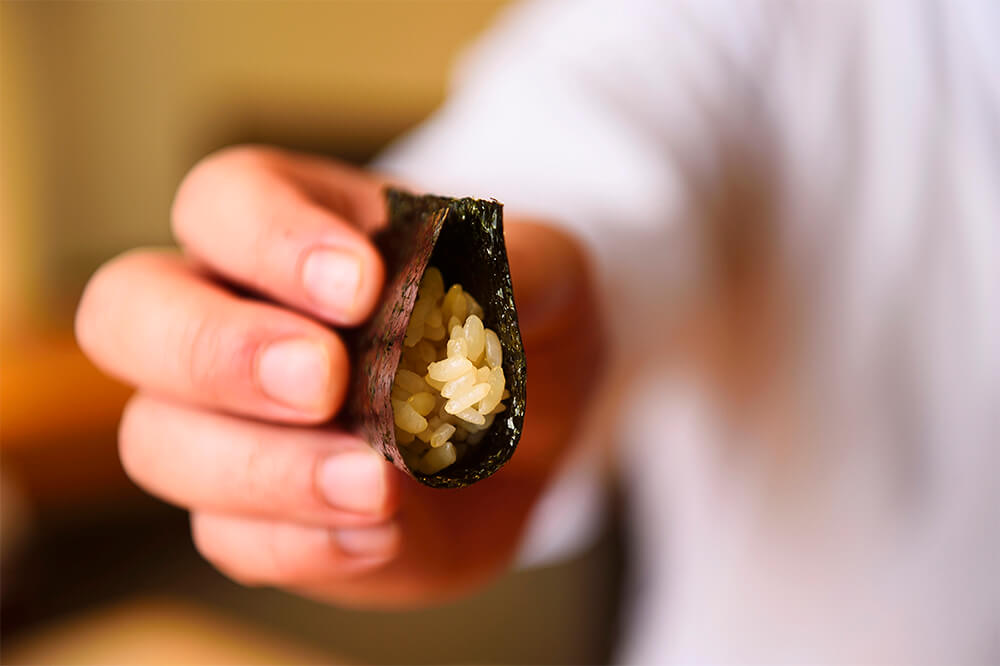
(148, 319)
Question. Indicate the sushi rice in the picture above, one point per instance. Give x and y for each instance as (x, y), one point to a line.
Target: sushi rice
(450, 383)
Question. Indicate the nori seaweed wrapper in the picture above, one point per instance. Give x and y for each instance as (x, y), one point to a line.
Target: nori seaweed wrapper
(463, 238)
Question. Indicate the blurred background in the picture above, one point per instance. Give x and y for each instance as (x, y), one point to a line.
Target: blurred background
(103, 108)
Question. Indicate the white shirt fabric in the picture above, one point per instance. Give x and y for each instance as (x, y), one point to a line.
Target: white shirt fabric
(874, 130)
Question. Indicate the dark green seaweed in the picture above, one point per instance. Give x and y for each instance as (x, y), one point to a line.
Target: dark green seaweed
(463, 238)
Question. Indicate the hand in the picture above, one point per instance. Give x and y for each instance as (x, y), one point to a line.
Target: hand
(235, 393)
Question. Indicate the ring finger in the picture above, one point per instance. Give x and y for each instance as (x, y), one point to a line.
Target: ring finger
(223, 464)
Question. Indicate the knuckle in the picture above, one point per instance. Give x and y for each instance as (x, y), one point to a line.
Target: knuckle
(221, 171)
(199, 350)
(265, 477)
(258, 474)
(280, 565)
(212, 355)
(283, 480)
(288, 559)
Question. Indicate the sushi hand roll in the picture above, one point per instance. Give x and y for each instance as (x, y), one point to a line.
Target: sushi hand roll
(440, 384)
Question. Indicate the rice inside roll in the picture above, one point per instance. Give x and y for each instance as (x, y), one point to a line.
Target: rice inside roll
(450, 384)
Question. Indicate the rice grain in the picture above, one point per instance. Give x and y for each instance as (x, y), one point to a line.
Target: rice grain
(450, 384)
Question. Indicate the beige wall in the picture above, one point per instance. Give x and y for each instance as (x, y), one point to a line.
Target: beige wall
(104, 105)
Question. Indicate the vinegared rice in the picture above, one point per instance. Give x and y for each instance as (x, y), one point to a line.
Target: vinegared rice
(450, 385)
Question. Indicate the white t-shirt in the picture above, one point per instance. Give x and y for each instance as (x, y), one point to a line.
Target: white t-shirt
(870, 132)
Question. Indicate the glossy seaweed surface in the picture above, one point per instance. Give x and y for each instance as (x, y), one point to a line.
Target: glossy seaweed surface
(464, 239)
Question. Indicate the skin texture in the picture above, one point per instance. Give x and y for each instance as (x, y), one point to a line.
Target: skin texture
(235, 393)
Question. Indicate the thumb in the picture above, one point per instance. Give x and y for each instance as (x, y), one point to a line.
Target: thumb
(553, 289)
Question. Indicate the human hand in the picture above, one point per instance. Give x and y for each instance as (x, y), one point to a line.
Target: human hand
(235, 394)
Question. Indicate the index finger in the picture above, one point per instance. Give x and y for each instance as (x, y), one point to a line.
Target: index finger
(288, 226)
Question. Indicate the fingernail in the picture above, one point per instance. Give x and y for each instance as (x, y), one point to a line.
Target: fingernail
(332, 278)
(295, 373)
(378, 541)
(353, 481)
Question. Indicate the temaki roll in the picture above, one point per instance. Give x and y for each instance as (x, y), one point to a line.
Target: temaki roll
(439, 387)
